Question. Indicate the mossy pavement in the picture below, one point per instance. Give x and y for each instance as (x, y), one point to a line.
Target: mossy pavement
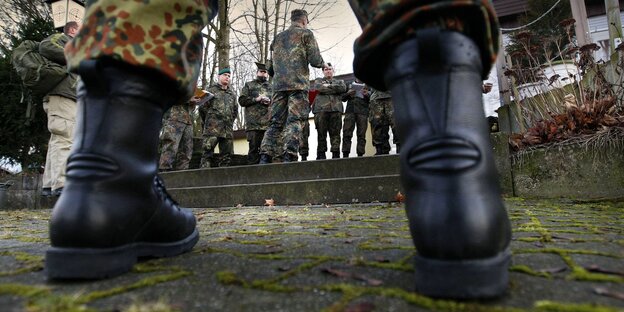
(567, 256)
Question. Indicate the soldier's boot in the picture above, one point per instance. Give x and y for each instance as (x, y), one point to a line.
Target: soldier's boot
(288, 158)
(304, 157)
(456, 216)
(345, 154)
(320, 155)
(265, 159)
(379, 150)
(114, 208)
(335, 155)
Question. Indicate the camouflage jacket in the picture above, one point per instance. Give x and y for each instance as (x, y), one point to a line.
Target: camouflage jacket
(220, 112)
(356, 104)
(293, 49)
(53, 48)
(256, 113)
(180, 113)
(379, 95)
(329, 98)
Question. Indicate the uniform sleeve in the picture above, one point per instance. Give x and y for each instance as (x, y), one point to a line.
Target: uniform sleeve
(53, 48)
(246, 98)
(234, 111)
(312, 51)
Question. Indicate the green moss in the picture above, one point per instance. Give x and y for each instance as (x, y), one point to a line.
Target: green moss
(21, 290)
(548, 306)
(145, 282)
(363, 227)
(258, 242)
(230, 278)
(527, 270)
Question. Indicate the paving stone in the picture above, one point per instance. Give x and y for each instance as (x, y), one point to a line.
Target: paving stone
(566, 255)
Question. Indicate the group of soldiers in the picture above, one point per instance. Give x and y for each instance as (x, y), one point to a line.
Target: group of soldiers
(218, 109)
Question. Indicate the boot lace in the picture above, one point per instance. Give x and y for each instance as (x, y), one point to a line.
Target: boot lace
(161, 190)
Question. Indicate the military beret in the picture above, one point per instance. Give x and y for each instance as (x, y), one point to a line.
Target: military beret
(224, 70)
(298, 13)
(261, 66)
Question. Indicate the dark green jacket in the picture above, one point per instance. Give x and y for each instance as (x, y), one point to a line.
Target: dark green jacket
(220, 112)
(53, 48)
(329, 98)
(256, 113)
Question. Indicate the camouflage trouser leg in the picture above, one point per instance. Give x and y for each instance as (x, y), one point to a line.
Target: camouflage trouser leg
(226, 149)
(171, 143)
(386, 23)
(335, 126)
(347, 132)
(254, 138)
(321, 122)
(328, 123)
(162, 35)
(381, 138)
(304, 148)
(361, 121)
(288, 113)
(208, 146)
(185, 149)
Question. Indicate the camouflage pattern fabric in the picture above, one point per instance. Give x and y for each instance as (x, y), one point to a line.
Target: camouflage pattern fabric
(304, 148)
(226, 149)
(254, 138)
(256, 113)
(381, 117)
(329, 98)
(351, 122)
(176, 139)
(169, 41)
(289, 110)
(328, 123)
(220, 112)
(386, 23)
(356, 116)
(292, 50)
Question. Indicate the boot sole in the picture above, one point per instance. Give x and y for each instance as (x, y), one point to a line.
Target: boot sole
(466, 279)
(98, 263)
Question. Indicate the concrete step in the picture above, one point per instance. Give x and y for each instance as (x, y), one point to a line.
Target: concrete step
(332, 181)
(284, 172)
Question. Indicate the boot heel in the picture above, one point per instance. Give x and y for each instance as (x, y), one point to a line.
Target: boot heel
(463, 279)
(89, 263)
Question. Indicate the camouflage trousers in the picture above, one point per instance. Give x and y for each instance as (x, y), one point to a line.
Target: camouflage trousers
(387, 23)
(328, 123)
(226, 149)
(289, 111)
(254, 138)
(304, 148)
(176, 145)
(351, 122)
(381, 117)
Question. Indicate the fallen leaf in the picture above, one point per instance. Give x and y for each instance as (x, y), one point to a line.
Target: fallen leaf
(368, 280)
(553, 270)
(399, 197)
(269, 202)
(239, 206)
(597, 269)
(338, 273)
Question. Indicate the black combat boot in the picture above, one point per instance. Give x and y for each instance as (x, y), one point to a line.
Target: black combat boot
(335, 155)
(114, 209)
(320, 155)
(304, 157)
(265, 159)
(457, 219)
(288, 158)
(345, 155)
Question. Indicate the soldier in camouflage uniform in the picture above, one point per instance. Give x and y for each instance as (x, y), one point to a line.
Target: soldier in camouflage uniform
(293, 50)
(381, 117)
(136, 59)
(356, 115)
(218, 115)
(432, 56)
(256, 98)
(327, 111)
(176, 137)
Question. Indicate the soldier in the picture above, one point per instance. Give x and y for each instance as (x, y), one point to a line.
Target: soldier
(292, 49)
(432, 56)
(256, 98)
(114, 208)
(356, 115)
(176, 137)
(60, 106)
(381, 117)
(327, 111)
(218, 115)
